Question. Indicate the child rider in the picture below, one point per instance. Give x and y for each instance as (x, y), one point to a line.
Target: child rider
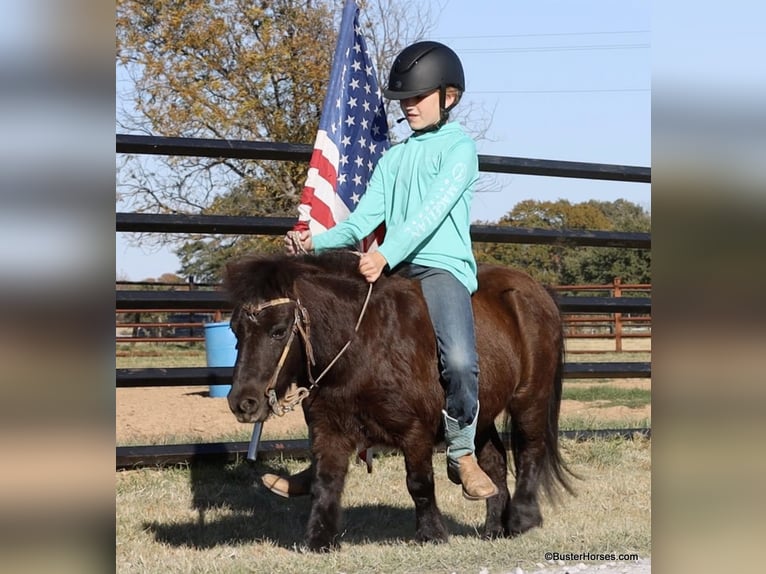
(422, 190)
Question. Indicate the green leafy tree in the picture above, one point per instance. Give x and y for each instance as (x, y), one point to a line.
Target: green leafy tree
(562, 264)
(601, 265)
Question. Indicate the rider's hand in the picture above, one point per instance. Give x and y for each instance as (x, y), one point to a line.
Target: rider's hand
(371, 265)
(303, 239)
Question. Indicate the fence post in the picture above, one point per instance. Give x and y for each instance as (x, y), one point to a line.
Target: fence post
(190, 284)
(617, 292)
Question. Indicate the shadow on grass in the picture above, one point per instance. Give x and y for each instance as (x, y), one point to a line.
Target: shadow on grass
(233, 507)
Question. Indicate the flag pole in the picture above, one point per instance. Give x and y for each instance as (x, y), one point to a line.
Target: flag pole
(336, 78)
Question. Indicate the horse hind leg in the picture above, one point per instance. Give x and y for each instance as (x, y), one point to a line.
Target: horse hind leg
(493, 459)
(529, 459)
(429, 522)
(534, 442)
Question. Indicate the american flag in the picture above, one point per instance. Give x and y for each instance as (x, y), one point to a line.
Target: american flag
(353, 134)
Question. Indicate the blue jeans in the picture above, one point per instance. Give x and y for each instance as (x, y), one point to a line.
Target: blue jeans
(449, 305)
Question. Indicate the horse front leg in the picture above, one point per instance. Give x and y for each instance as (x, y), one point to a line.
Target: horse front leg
(330, 460)
(429, 522)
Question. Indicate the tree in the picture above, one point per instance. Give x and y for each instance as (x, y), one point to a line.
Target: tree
(600, 265)
(565, 265)
(231, 69)
(225, 69)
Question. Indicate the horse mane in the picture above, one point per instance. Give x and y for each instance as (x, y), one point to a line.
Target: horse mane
(257, 277)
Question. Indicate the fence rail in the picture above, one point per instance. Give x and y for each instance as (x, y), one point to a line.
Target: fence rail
(241, 225)
(239, 149)
(129, 457)
(199, 376)
(217, 300)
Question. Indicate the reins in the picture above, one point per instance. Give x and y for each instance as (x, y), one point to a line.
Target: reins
(295, 240)
(314, 383)
(302, 325)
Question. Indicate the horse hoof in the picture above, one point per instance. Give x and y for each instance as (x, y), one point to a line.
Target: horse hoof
(520, 526)
(431, 537)
(494, 534)
(322, 545)
(321, 548)
(431, 540)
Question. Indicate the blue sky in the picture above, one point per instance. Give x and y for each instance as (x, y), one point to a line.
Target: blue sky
(563, 81)
(567, 81)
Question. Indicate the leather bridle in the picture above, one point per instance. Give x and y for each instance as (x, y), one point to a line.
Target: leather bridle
(301, 325)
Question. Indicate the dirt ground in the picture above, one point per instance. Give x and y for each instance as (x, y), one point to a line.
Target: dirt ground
(154, 414)
(146, 414)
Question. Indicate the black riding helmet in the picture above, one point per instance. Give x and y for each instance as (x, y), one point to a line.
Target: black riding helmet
(422, 67)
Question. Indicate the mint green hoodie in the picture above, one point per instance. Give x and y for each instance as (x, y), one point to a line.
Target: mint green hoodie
(422, 189)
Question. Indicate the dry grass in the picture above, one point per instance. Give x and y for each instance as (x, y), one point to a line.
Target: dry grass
(148, 355)
(220, 519)
(607, 395)
(214, 518)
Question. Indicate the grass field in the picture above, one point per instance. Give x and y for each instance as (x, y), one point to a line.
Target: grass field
(220, 519)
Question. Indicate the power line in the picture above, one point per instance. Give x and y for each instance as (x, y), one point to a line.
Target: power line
(545, 35)
(554, 48)
(594, 91)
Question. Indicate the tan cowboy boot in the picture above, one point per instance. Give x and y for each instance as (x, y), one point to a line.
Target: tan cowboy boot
(467, 472)
(289, 486)
(462, 467)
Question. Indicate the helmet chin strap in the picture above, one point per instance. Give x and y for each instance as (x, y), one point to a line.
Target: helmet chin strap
(443, 113)
(432, 127)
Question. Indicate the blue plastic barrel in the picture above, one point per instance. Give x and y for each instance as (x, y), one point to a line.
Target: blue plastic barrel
(220, 351)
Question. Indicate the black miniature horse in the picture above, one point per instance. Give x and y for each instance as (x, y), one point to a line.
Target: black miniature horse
(296, 316)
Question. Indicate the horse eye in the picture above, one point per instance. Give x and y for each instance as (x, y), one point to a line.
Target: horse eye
(278, 333)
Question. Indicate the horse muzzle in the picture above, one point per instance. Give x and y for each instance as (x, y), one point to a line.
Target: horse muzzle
(249, 407)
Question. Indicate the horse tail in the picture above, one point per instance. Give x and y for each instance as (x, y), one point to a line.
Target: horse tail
(555, 472)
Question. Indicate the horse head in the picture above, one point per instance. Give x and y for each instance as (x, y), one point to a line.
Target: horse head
(273, 339)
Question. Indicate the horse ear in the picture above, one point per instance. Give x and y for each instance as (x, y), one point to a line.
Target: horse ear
(235, 275)
(230, 271)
